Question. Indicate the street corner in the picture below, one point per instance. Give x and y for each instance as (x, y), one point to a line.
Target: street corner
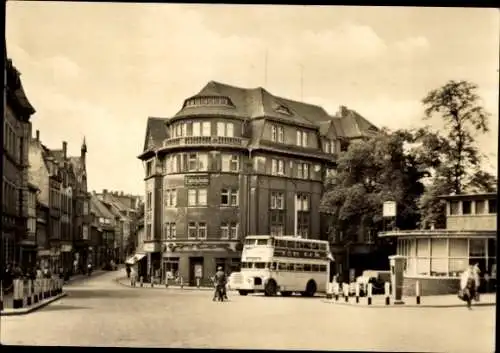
(30, 309)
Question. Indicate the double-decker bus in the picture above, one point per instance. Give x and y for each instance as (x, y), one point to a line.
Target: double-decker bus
(284, 264)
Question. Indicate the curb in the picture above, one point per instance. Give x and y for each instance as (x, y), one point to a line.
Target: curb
(162, 286)
(381, 306)
(24, 311)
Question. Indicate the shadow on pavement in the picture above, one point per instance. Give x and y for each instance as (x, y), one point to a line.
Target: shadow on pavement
(99, 293)
(63, 308)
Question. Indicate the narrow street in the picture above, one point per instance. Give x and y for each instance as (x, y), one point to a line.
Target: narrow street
(100, 312)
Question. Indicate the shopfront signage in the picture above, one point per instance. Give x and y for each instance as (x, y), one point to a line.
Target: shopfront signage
(389, 209)
(197, 180)
(66, 248)
(149, 247)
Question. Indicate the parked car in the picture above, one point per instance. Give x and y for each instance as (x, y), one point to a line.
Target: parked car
(376, 278)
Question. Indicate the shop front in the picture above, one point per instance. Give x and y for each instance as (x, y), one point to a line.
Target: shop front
(198, 261)
(437, 258)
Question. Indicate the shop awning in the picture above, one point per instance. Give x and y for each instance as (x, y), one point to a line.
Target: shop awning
(134, 259)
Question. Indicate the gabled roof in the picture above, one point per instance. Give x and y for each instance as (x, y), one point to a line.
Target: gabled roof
(100, 209)
(156, 132)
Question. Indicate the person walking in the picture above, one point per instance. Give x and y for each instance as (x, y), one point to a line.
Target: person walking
(220, 282)
(128, 270)
(469, 285)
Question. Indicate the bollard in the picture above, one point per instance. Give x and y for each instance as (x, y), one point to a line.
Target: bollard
(197, 283)
(166, 282)
(18, 294)
(357, 293)
(369, 293)
(329, 290)
(345, 287)
(141, 281)
(152, 282)
(182, 283)
(30, 294)
(336, 290)
(35, 291)
(387, 291)
(417, 291)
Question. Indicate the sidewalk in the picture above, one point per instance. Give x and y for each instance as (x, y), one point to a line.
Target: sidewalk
(22, 311)
(435, 301)
(124, 281)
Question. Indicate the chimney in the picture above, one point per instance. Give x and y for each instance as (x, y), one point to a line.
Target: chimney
(104, 191)
(65, 149)
(121, 193)
(37, 135)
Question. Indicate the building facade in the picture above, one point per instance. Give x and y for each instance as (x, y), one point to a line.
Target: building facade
(234, 162)
(106, 225)
(437, 257)
(16, 241)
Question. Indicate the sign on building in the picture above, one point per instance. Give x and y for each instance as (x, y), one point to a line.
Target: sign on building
(196, 180)
(389, 209)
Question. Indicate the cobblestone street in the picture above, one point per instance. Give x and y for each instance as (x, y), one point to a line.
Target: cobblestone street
(100, 312)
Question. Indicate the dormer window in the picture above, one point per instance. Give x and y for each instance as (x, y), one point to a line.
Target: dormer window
(207, 100)
(283, 110)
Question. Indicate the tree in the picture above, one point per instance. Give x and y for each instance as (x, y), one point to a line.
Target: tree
(457, 103)
(369, 173)
(454, 158)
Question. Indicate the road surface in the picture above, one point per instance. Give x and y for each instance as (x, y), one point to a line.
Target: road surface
(100, 312)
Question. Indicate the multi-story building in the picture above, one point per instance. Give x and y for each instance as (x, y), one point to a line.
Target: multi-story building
(16, 242)
(234, 162)
(106, 223)
(437, 257)
(61, 181)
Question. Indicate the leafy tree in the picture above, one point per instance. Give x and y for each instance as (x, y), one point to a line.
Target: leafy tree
(454, 158)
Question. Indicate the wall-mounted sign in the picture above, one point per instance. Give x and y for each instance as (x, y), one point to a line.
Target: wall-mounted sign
(66, 248)
(197, 180)
(389, 209)
(313, 254)
(149, 247)
(198, 271)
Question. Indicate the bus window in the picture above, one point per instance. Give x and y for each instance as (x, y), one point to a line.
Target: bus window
(290, 267)
(315, 268)
(280, 244)
(262, 241)
(299, 245)
(250, 242)
(314, 246)
(322, 247)
(282, 266)
(260, 265)
(273, 266)
(291, 244)
(322, 268)
(307, 246)
(299, 267)
(307, 267)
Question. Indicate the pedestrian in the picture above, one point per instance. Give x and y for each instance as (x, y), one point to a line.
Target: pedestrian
(220, 284)
(128, 271)
(469, 284)
(89, 268)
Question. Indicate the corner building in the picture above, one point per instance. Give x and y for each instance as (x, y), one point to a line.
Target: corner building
(233, 162)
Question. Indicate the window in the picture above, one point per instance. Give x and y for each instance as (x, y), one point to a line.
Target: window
(225, 129)
(302, 138)
(234, 231)
(171, 198)
(202, 161)
(344, 146)
(173, 163)
(439, 260)
(206, 128)
(303, 170)
(303, 224)
(149, 200)
(277, 200)
(277, 167)
(477, 248)
(492, 206)
(466, 207)
(196, 129)
(192, 162)
(302, 202)
(229, 197)
(148, 232)
(423, 257)
(277, 133)
(192, 232)
(149, 168)
(454, 208)
(277, 222)
(480, 206)
(224, 231)
(197, 197)
(230, 163)
(180, 130)
(202, 230)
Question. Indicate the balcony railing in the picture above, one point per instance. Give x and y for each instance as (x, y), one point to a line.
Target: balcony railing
(205, 140)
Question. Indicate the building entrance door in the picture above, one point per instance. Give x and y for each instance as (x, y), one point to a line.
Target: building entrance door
(195, 269)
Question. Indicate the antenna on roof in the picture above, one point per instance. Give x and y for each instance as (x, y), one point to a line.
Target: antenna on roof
(265, 69)
(301, 82)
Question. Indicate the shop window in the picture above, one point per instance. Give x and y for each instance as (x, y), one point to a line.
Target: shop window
(466, 207)
(477, 248)
(439, 257)
(458, 247)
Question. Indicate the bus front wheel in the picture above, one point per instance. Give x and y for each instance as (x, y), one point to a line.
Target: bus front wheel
(243, 292)
(271, 288)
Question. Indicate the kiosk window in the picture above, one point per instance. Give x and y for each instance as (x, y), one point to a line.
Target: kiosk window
(307, 268)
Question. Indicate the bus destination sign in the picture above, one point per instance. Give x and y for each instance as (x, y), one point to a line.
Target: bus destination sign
(300, 253)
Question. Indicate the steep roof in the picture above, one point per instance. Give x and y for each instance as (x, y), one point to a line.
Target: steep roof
(100, 209)
(156, 132)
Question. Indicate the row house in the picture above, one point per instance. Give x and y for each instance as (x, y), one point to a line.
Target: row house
(17, 243)
(105, 224)
(63, 235)
(234, 162)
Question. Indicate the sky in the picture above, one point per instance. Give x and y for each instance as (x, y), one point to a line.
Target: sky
(100, 69)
